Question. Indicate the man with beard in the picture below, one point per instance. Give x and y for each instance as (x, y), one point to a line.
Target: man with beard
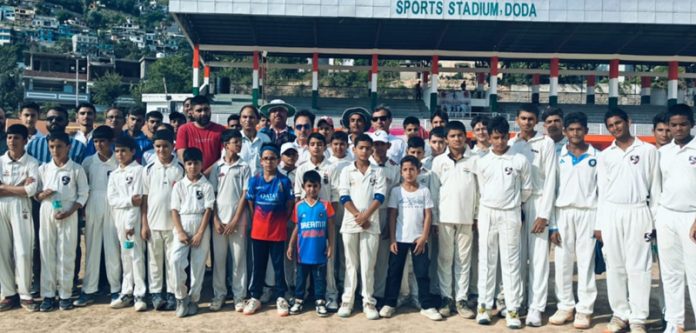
(201, 133)
(56, 121)
(134, 126)
(553, 125)
(84, 114)
(114, 119)
(187, 109)
(357, 121)
(278, 112)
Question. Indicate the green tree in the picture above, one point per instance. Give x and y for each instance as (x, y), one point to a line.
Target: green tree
(106, 89)
(174, 71)
(10, 83)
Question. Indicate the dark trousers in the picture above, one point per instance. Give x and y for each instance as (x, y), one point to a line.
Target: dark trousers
(260, 251)
(421, 264)
(318, 273)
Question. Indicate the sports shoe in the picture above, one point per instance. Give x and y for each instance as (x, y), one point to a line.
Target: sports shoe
(252, 306)
(182, 307)
(239, 305)
(114, 297)
(266, 295)
(616, 324)
(345, 310)
(500, 305)
(370, 311)
(671, 328)
(431, 314)
(282, 307)
(638, 328)
(446, 308)
(533, 318)
(512, 319)
(48, 305)
(483, 315)
(84, 300)
(29, 305)
(140, 304)
(296, 307)
(386, 311)
(122, 301)
(157, 302)
(216, 303)
(320, 308)
(561, 317)
(331, 305)
(192, 307)
(171, 302)
(9, 302)
(65, 304)
(464, 310)
(582, 321)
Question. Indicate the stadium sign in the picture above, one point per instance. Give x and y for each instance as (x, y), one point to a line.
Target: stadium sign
(464, 9)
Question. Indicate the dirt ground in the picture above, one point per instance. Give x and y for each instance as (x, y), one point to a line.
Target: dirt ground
(101, 318)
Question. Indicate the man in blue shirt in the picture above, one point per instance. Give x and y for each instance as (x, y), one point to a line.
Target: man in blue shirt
(134, 125)
(56, 121)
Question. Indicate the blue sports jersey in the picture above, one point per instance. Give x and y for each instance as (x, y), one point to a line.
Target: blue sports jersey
(313, 231)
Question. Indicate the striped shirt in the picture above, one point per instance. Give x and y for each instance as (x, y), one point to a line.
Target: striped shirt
(38, 149)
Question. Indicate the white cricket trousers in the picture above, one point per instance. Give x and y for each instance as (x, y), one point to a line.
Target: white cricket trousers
(336, 265)
(180, 261)
(677, 261)
(455, 241)
(360, 249)
(132, 260)
(57, 242)
(236, 244)
(382, 264)
(534, 257)
(499, 230)
(16, 247)
(159, 250)
(100, 230)
(628, 257)
(576, 227)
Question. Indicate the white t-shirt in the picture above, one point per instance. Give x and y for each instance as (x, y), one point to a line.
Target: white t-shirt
(411, 207)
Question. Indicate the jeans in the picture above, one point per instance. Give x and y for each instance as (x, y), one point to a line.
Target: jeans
(318, 272)
(421, 264)
(260, 252)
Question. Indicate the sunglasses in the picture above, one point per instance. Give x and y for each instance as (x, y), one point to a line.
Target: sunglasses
(303, 127)
(54, 119)
(380, 118)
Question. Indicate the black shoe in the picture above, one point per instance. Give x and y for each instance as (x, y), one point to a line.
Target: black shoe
(171, 303)
(65, 304)
(47, 305)
(157, 302)
(9, 303)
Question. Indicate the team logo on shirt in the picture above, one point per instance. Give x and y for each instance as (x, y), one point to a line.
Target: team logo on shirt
(592, 162)
(199, 194)
(65, 180)
(692, 160)
(634, 159)
(326, 178)
(508, 171)
(25, 215)
(221, 174)
(321, 215)
(373, 181)
(129, 180)
(535, 151)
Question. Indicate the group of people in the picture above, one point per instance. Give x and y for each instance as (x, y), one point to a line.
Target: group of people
(310, 212)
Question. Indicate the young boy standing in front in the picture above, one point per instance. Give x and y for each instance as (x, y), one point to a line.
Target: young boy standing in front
(504, 179)
(410, 217)
(64, 191)
(192, 205)
(158, 180)
(271, 198)
(362, 188)
(229, 178)
(99, 227)
(124, 194)
(314, 236)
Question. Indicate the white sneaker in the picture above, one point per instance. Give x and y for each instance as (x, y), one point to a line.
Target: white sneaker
(122, 301)
(483, 316)
(387, 311)
(582, 321)
(331, 305)
(671, 328)
(140, 304)
(216, 303)
(345, 310)
(512, 319)
(370, 311)
(252, 306)
(239, 305)
(431, 314)
(561, 317)
(533, 318)
(446, 308)
(283, 307)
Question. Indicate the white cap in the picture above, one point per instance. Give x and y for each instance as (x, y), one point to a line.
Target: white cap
(287, 146)
(380, 136)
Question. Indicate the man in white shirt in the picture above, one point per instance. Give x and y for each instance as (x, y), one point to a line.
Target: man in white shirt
(84, 114)
(628, 180)
(540, 151)
(676, 216)
(252, 139)
(552, 118)
(381, 120)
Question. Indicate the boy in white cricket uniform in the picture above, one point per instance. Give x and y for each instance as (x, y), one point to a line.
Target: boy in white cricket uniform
(576, 203)
(19, 182)
(159, 178)
(193, 200)
(229, 179)
(124, 194)
(505, 183)
(458, 197)
(362, 187)
(100, 229)
(628, 179)
(676, 216)
(65, 190)
(540, 151)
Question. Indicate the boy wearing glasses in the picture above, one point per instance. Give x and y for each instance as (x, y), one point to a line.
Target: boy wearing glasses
(381, 120)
